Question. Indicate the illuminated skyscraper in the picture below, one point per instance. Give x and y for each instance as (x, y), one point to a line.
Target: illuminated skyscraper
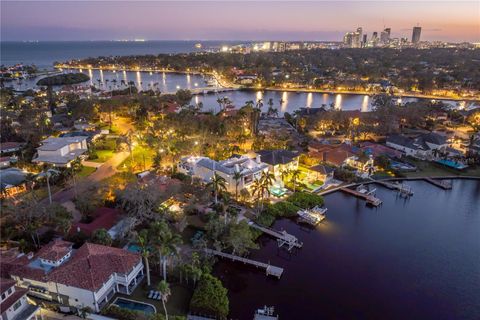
(416, 34)
(385, 35)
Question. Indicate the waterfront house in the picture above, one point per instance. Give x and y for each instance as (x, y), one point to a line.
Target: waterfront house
(279, 160)
(423, 146)
(87, 277)
(204, 169)
(14, 304)
(61, 151)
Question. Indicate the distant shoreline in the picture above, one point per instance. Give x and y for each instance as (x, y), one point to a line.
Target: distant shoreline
(299, 90)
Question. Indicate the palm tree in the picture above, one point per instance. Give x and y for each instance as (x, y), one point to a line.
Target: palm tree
(237, 175)
(295, 174)
(259, 104)
(166, 243)
(165, 292)
(47, 174)
(218, 184)
(257, 190)
(142, 239)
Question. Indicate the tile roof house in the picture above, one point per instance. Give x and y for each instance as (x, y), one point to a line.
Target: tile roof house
(204, 168)
(14, 304)
(61, 151)
(89, 276)
(104, 218)
(279, 161)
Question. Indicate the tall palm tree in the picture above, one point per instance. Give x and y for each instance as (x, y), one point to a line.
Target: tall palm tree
(143, 243)
(237, 176)
(165, 292)
(166, 243)
(218, 184)
(295, 174)
(258, 190)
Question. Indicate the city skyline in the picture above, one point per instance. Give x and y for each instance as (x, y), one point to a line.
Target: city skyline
(292, 20)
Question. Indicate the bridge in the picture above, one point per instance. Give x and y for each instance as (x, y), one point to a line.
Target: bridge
(283, 237)
(269, 269)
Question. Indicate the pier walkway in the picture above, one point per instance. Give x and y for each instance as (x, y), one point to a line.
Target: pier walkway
(372, 200)
(269, 269)
(283, 237)
(441, 184)
(400, 187)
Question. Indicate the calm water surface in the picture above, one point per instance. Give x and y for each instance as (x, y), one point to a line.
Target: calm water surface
(413, 259)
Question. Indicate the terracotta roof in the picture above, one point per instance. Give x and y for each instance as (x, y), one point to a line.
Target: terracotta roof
(5, 284)
(11, 260)
(55, 250)
(92, 265)
(105, 218)
(19, 292)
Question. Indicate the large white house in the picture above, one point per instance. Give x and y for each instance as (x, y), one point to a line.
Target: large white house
(87, 277)
(61, 151)
(204, 169)
(424, 146)
(14, 304)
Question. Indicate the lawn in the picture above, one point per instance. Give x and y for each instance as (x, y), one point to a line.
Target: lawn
(431, 169)
(85, 171)
(103, 155)
(142, 159)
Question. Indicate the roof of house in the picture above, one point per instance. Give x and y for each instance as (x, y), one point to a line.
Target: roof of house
(106, 218)
(401, 140)
(322, 169)
(92, 265)
(52, 143)
(376, 149)
(10, 145)
(434, 138)
(274, 157)
(12, 177)
(55, 250)
(5, 284)
(19, 292)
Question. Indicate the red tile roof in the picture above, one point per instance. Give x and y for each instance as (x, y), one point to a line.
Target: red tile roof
(92, 265)
(19, 292)
(5, 284)
(55, 250)
(105, 219)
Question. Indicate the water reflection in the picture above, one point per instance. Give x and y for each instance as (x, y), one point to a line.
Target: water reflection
(338, 102)
(259, 95)
(309, 99)
(365, 103)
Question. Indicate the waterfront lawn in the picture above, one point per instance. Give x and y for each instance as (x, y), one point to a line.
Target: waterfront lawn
(85, 171)
(431, 169)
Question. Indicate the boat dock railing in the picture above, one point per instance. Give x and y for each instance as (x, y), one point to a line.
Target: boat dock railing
(372, 200)
(283, 237)
(445, 185)
(269, 269)
(403, 189)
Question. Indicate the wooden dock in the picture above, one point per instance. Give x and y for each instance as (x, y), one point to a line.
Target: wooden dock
(283, 237)
(441, 184)
(269, 269)
(400, 187)
(372, 200)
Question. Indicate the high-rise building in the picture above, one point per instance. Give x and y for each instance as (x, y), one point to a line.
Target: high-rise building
(385, 35)
(364, 41)
(416, 34)
(348, 39)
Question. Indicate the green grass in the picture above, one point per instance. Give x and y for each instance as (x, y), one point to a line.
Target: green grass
(85, 171)
(142, 159)
(431, 169)
(103, 155)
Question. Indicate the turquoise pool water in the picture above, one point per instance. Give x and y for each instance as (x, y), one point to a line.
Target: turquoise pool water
(451, 163)
(134, 305)
(133, 248)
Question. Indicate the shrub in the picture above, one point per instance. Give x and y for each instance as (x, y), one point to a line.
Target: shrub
(282, 209)
(210, 297)
(123, 314)
(305, 200)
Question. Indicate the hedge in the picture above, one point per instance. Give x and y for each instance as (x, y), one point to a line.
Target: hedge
(305, 200)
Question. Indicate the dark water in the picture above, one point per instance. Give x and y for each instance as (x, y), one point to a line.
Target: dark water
(414, 259)
(44, 53)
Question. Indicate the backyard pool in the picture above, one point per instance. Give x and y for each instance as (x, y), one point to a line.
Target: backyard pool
(134, 305)
(451, 163)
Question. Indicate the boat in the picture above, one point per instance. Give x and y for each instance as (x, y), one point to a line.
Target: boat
(313, 216)
(198, 45)
(265, 313)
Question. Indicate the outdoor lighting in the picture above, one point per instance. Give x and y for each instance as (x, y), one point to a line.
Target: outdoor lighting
(196, 143)
(287, 76)
(178, 87)
(195, 84)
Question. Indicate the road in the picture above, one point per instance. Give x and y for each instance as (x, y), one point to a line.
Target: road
(107, 169)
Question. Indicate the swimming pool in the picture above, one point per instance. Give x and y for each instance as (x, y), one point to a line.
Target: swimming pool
(134, 305)
(451, 163)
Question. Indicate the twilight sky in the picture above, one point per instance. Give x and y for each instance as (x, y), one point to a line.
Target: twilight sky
(233, 20)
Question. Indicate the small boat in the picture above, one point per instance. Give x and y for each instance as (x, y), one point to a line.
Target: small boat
(313, 217)
(198, 45)
(265, 313)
